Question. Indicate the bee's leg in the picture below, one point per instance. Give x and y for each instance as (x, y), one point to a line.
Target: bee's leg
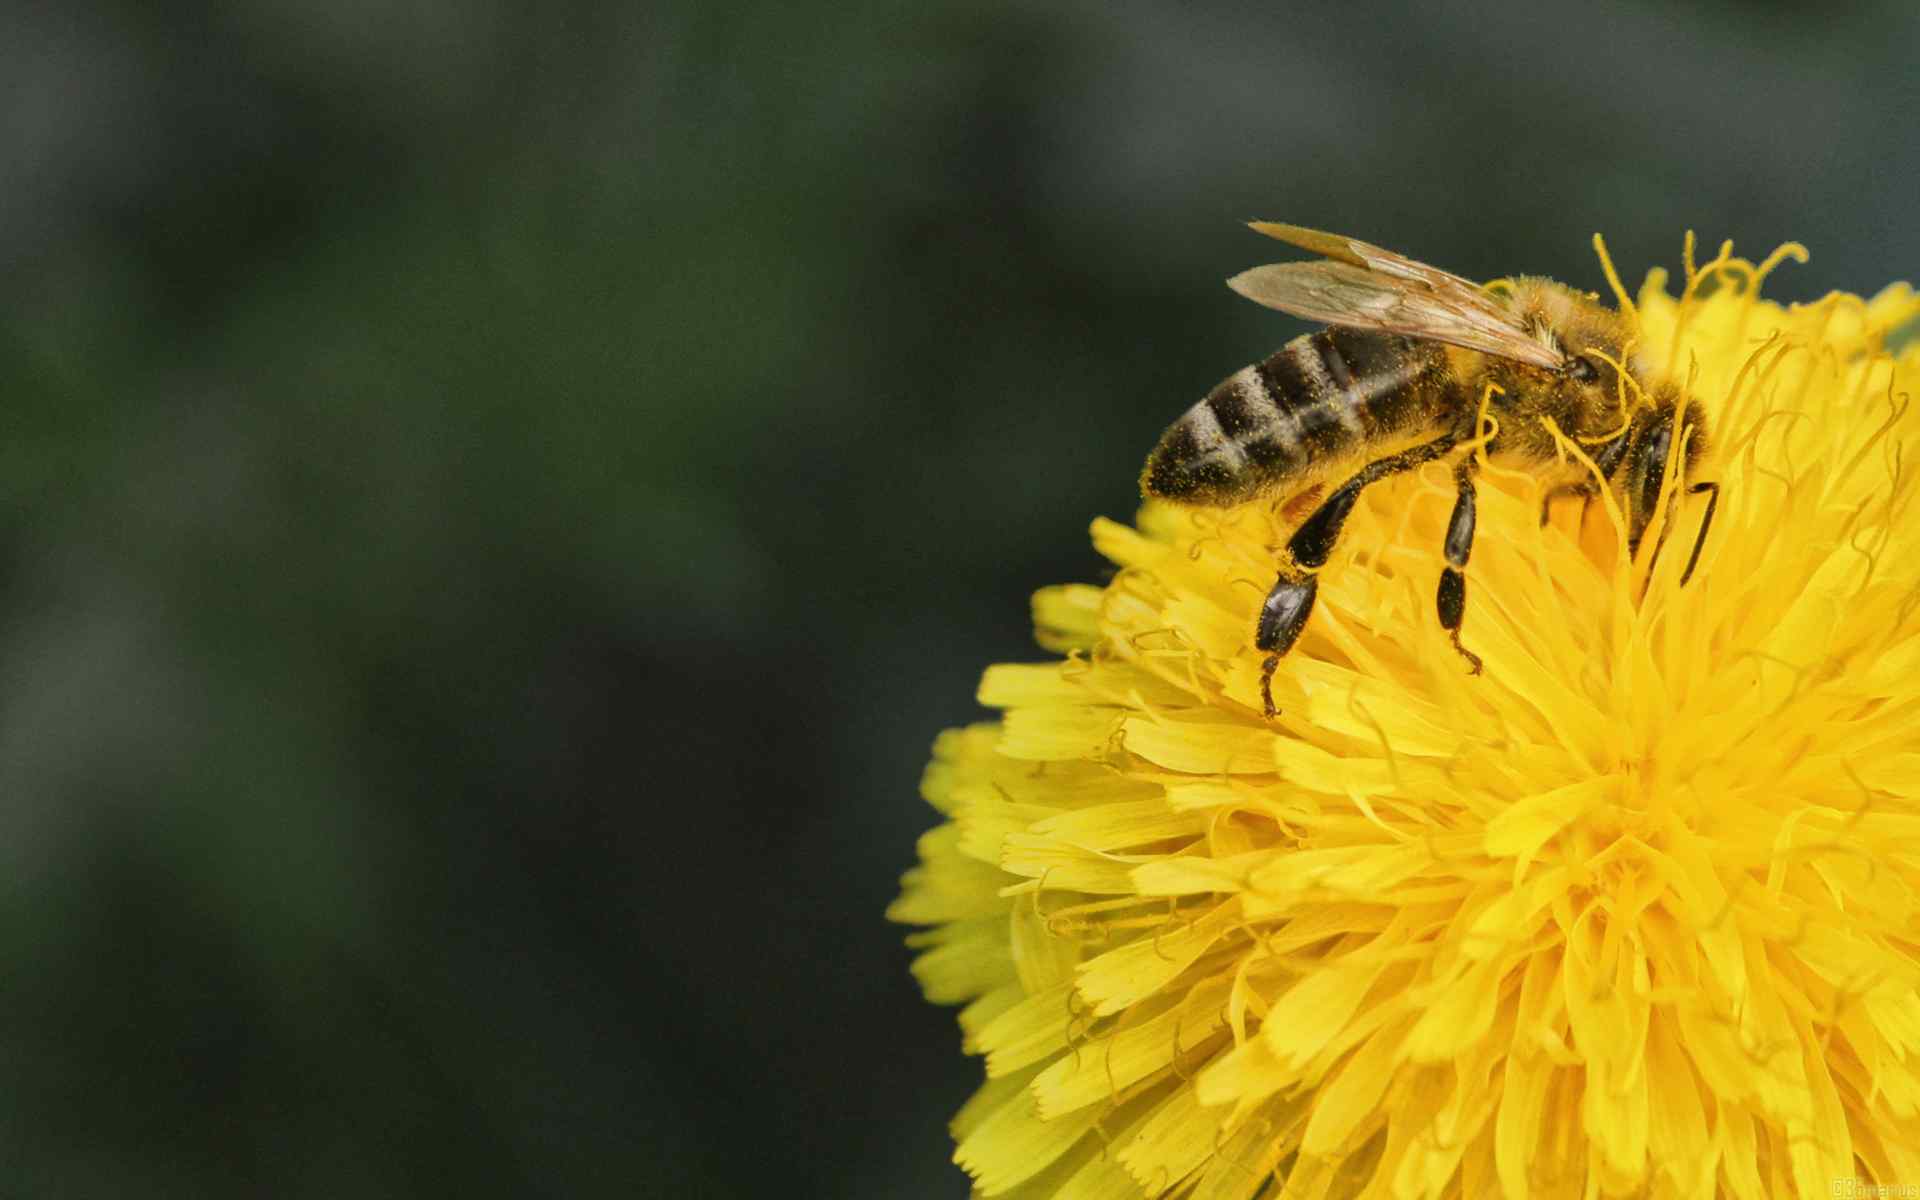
(1290, 603)
(1452, 598)
(1282, 618)
(1606, 457)
(1712, 489)
(1586, 491)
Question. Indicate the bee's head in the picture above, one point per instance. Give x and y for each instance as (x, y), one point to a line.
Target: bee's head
(1590, 389)
(1670, 421)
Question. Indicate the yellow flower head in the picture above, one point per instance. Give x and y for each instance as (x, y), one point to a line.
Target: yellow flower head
(1635, 912)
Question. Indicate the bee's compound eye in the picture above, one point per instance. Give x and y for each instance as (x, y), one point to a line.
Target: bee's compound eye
(1582, 369)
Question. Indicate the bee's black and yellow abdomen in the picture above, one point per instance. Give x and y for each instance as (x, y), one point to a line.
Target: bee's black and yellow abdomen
(1316, 399)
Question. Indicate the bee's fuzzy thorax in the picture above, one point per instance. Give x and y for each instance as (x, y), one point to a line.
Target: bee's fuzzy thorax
(1567, 320)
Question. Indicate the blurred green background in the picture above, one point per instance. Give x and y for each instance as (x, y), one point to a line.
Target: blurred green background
(496, 500)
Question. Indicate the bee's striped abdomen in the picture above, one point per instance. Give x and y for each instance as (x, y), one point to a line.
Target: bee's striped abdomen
(1316, 398)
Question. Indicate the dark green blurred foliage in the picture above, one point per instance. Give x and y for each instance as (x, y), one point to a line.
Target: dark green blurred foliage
(497, 502)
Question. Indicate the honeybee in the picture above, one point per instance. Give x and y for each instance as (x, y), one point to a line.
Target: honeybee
(1396, 381)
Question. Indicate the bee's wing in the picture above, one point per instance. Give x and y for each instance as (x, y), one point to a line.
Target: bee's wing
(1370, 288)
(1357, 253)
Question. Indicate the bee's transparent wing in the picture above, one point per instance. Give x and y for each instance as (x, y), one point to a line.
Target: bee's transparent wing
(1370, 288)
(1339, 294)
(1355, 252)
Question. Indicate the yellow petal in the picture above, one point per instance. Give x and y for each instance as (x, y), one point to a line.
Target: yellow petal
(1012, 1143)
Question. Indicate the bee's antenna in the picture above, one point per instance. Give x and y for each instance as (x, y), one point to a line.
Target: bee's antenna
(1713, 501)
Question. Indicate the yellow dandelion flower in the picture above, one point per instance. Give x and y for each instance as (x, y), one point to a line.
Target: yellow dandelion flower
(1636, 912)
